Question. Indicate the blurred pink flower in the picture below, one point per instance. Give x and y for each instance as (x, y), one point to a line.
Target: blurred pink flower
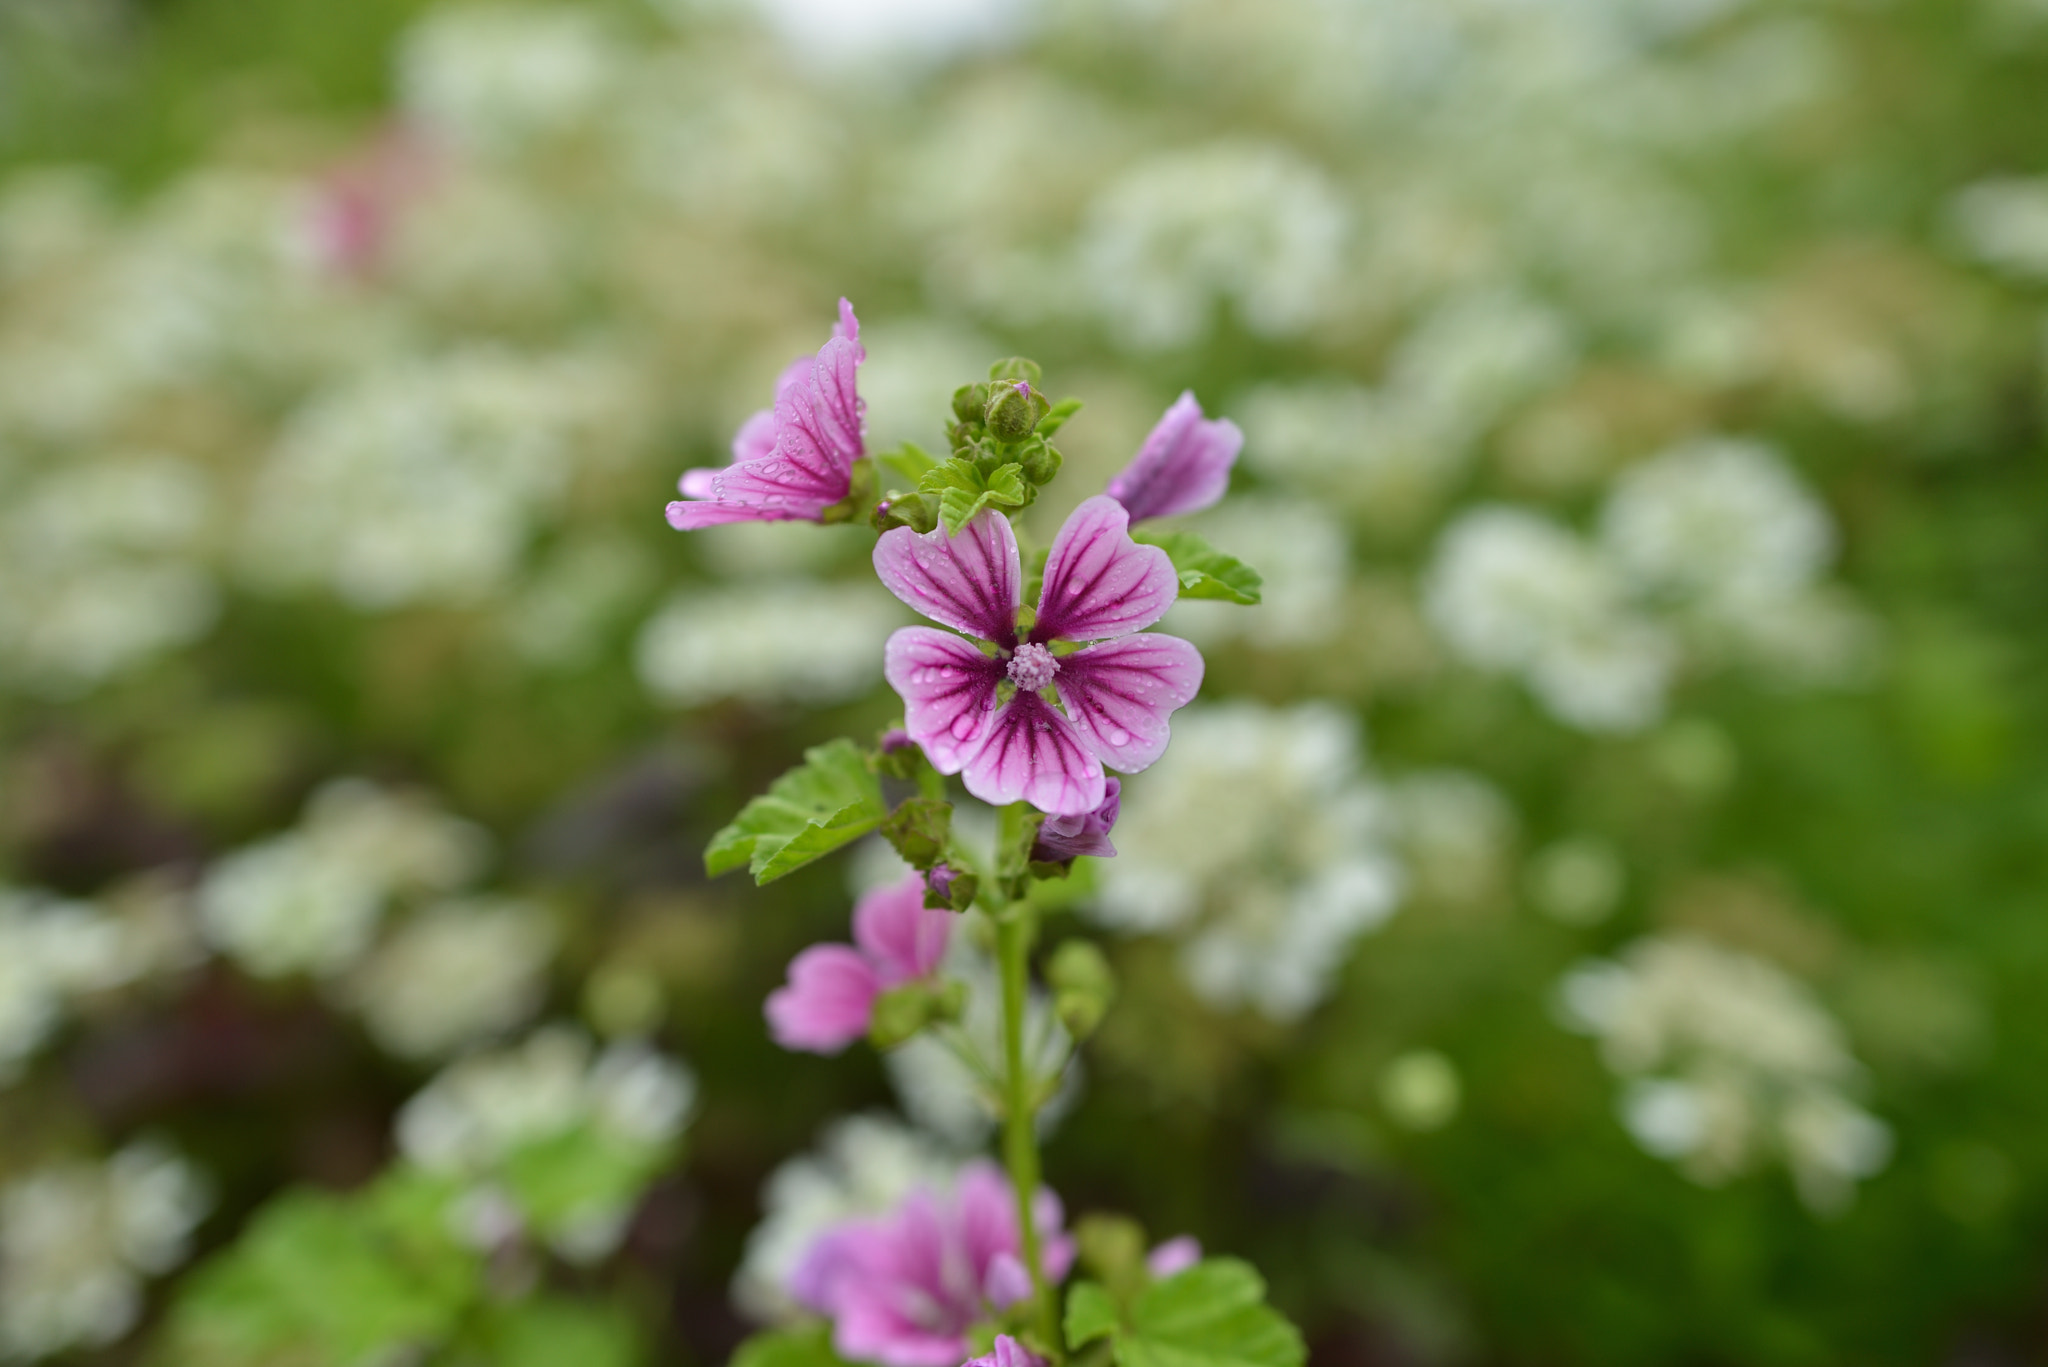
(1007, 1353)
(1184, 465)
(1117, 694)
(356, 207)
(791, 462)
(830, 996)
(903, 1289)
(1174, 1256)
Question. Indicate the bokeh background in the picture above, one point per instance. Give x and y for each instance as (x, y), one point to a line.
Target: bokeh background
(1597, 912)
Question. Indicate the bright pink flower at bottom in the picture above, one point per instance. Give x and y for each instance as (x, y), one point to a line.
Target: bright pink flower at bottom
(1115, 696)
(903, 1290)
(830, 997)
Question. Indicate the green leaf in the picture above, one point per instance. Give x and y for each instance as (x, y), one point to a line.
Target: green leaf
(1204, 571)
(831, 800)
(963, 491)
(808, 1345)
(1091, 1314)
(1212, 1315)
(920, 828)
(1056, 417)
(910, 461)
(551, 1331)
(331, 1280)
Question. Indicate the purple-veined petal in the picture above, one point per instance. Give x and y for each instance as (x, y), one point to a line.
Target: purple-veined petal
(1119, 694)
(1098, 582)
(827, 1002)
(841, 412)
(689, 515)
(901, 939)
(970, 582)
(1031, 753)
(1184, 465)
(948, 689)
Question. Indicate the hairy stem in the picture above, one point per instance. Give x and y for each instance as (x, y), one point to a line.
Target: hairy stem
(1015, 929)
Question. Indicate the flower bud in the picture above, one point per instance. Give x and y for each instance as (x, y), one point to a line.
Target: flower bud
(1112, 1249)
(899, 1013)
(914, 511)
(1040, 459)
(950, 888)
(1014, 408)
(1083, 986)
(970, 401)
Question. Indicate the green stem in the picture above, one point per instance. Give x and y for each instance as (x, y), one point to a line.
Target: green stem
(1015, 928)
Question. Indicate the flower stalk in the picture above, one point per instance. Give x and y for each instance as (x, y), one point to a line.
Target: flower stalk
(1016, 929)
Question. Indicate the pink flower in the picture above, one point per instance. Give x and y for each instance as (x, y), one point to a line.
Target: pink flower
(1117, 695)
(831, 993)
(1174, 1256)
(1184, 465)
(904, 1289)
(1064, 837)
(1007, 1353)
(795, 460)
(357, 206)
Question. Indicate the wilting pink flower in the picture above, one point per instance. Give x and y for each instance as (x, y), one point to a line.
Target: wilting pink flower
(904, 1289)
(1184, 465)
(793, 461)
(1007, 1353)
(830, 997)
(1173, 1256)
(1064, 837)
(986, 717)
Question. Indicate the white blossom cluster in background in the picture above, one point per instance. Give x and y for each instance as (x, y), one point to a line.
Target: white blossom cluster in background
(776, 642)
(370, 895)
(57, 953)
(101, 567)
(609, 1120)
(1711, 553)
(422, 481)
(311, 900)
(1729, 1061)
(1304, 556)
(863, 1165)
(78, 1238)
(1259, 842)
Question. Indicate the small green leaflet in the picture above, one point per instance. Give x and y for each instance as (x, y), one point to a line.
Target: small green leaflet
(1056, 417)
(807, 1345)
(1205, 572)
(962, 491)
(1212, 1315)
(908, 460)
(832, 799)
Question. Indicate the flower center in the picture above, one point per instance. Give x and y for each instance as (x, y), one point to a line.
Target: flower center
(1032, 667)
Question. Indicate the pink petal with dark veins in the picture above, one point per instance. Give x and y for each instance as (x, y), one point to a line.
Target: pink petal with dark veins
(1119, 695)
(948, 689)
(970, 582)
(1033, 754)
(1098, 582)
(1184, 465)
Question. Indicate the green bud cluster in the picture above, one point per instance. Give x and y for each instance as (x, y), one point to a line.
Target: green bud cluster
(1002, 454)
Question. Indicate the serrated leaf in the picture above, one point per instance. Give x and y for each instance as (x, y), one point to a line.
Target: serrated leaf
(808, 1345)
(1006, 485)
(1212, 1315)
(1090, 1313)
(1204, 571)
(830, 800)
(955, 473)
(909, 460)
(1056, 417)
(957, 508)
